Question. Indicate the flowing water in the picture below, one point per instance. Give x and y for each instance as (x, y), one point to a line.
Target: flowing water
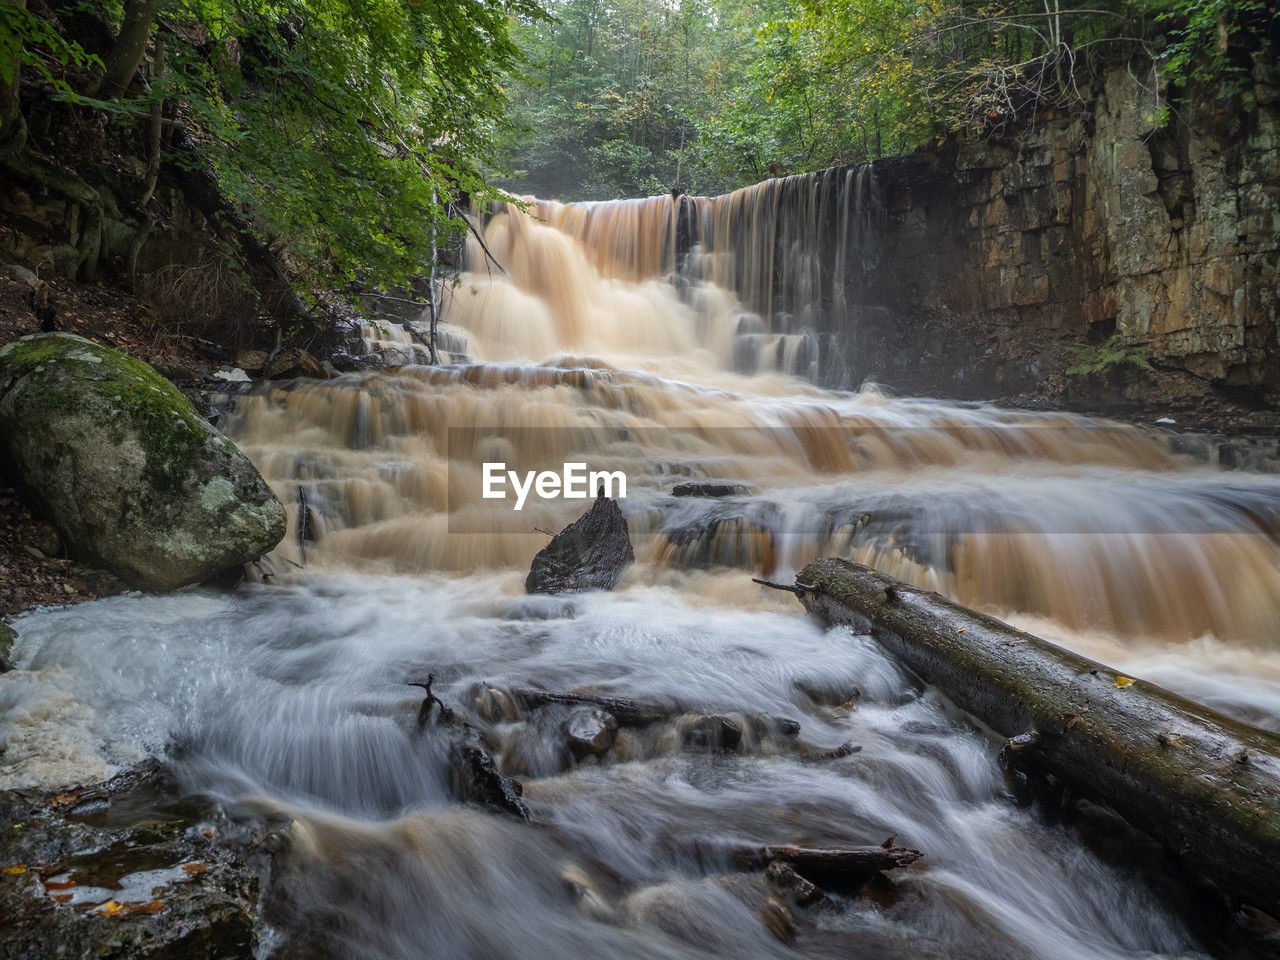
(605, 338)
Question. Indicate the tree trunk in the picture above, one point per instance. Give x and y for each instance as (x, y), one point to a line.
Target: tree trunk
(130, 46)
(1204, 784)
(628, 713)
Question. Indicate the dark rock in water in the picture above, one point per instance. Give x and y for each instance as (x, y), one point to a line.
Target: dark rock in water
(125, 468)
(155, 874)
(711, 488)
(477, 780)
(589, 732)
(764, 726)
(539, 607)
(343, 361)
(713, 733)
(786, 726)
(589, 554)
(474, 777)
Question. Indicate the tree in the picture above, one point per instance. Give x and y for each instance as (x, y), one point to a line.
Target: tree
(129, 48)
(643, 96)
(342, 129)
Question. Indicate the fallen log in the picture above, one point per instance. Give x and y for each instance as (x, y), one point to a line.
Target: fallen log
(639, 713)
(1204, 784)
(628, 713)
(841, 863)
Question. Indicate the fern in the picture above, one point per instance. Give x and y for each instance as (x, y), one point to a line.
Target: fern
(1111, 353)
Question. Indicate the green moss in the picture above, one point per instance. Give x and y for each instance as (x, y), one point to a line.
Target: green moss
(7, 636)
(169, 428)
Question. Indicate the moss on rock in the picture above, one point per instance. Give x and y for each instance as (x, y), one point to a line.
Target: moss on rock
(125, 467)
(7, 636)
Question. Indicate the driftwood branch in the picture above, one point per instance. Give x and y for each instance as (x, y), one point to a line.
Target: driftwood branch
(795, 588)
(304, 521)
(431, 700)
(1204, 784)
(841, 863)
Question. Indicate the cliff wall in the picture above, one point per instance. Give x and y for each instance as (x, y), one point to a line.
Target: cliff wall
(996, 257)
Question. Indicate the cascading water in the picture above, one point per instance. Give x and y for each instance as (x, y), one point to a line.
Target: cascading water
(613, 334)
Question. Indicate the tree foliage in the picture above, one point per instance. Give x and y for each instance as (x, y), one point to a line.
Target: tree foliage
(642, 96)
(345, 129)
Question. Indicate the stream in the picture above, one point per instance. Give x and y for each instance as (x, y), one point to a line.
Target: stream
(289, 695)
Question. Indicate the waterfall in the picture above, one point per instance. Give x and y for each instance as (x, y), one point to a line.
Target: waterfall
(765, 277)
(602, 336)
(677, 340)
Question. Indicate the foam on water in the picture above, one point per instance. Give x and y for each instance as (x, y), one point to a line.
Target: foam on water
(294, 698)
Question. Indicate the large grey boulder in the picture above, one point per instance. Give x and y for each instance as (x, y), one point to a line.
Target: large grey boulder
(125, 468)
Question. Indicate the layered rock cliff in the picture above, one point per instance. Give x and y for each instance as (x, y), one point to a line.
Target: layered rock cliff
(996, 257)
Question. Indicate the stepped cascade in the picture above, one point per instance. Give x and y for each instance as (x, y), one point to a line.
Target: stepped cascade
(678, 340)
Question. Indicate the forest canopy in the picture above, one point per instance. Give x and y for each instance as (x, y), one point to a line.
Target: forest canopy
(637, 97)
(345, 128)
(350, 133)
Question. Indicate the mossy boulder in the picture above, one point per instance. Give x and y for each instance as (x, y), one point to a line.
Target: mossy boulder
(124, 466)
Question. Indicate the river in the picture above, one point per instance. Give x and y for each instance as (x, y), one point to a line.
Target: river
(289, 695)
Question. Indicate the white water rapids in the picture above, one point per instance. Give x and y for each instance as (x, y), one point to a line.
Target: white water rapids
(291, 696)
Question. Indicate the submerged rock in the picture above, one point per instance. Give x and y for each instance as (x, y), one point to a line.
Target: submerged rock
(713, 489)
(125, 468)
(588, 554)
(473, 776)
(712, 732)
(589, 732)
(476, 779)
(295, 363)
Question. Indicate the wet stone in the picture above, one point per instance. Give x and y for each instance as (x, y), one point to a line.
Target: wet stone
(494, 705)
(589, 732)
(540, 607)
(588, 554)
(476, 779)
(129, 868)
(764, 726)
(712, 488)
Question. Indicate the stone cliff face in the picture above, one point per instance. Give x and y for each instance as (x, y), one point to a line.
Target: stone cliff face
(996, 257)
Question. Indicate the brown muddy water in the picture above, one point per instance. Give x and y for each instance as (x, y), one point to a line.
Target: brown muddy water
(588, 346)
